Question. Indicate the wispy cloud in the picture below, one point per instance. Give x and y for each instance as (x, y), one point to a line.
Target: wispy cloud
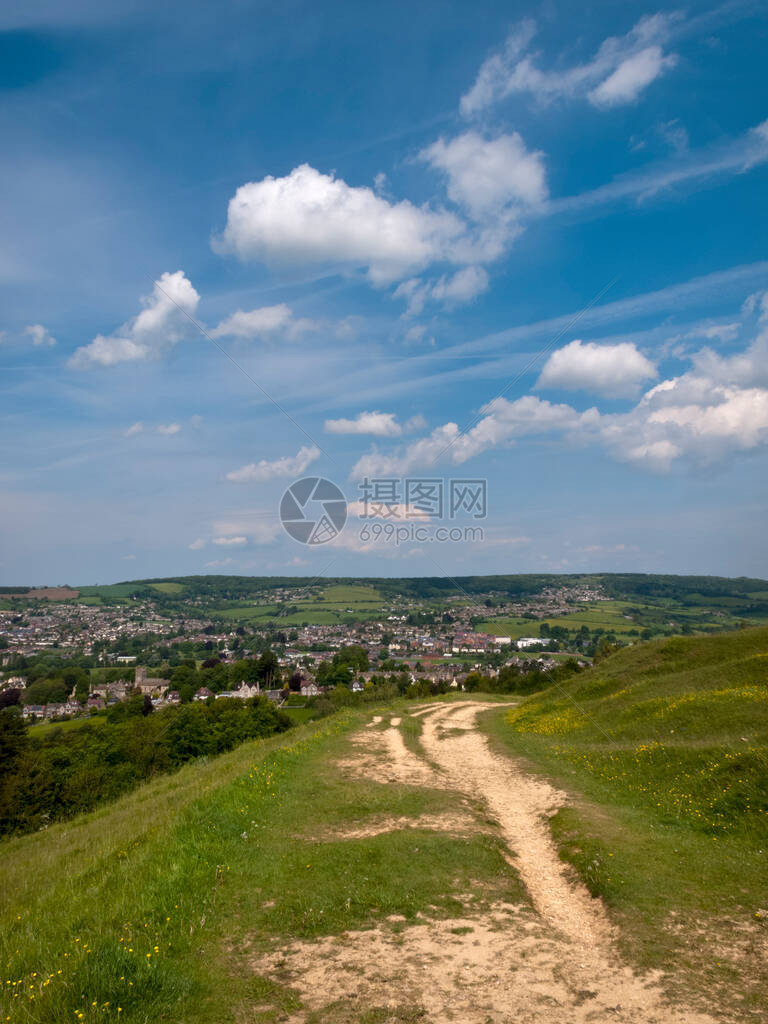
(621, 69)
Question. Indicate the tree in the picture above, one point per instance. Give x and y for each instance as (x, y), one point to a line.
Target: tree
(354, 656)
(9, 698)
(268, 670)
(13, 738)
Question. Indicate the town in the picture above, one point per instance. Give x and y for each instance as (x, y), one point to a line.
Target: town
(139, 645)
(72, 653)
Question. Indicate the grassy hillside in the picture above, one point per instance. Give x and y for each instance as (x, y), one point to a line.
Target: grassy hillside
(152, 909)
(664, 748)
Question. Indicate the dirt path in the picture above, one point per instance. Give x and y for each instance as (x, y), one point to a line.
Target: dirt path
(521, 805)
(555, 964)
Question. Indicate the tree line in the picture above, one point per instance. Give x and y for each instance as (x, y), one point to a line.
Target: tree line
(68, 770)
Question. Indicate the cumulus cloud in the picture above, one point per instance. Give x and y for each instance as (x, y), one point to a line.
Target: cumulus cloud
(688, 417)
(487, 175)
(136, 428)
(159, 326)
(312, 218)
(230, 542)
(219, 563)
(266, 322)
(197, 545)
(169, 429)
(717, 409)
(287, 466)
(616, 371)
(378, 424)
(500, 424)
(620, 70)
(419, 454)
(41, 336)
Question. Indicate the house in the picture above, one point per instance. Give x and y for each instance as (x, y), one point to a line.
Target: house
(310, 689)
(32, 711)
(203, 693)
(245, 692)
(357, 686)
(172, 697)
(55, 710)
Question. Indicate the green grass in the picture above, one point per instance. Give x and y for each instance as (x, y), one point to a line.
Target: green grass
(168, 588)
(156, 903)
(45, 728)
(112, 590)
(606, 615)
(299, 715)
(348, 594)
(664, 749)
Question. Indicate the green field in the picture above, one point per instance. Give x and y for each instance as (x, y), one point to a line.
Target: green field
(168, 588)
(664, 749)
(111, 592)
(45, 728)
(333, 605)
(610, 616)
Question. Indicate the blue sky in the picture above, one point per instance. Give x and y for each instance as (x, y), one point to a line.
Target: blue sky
(522, 243)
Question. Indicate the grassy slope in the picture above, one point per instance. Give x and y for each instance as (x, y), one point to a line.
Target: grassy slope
(665, 751)
(147, 910)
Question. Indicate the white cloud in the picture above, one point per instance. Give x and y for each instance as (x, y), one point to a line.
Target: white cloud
(632, 76)
(266, 322)
(710, 413)
(287, 466)
(452, 290)
(421, 453)
(622, 67)
(197, 545)
(136, 428)
(502, 422)
(160, 325)
(41, 336)
(226, 542)
(219, 563)
(417, 422)
(169, 429)
(259, 526)
(616, 371)
(312, 218)
(688, 417)
(463, 286)
(493, 78)
(487, 175)
(379, 424)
